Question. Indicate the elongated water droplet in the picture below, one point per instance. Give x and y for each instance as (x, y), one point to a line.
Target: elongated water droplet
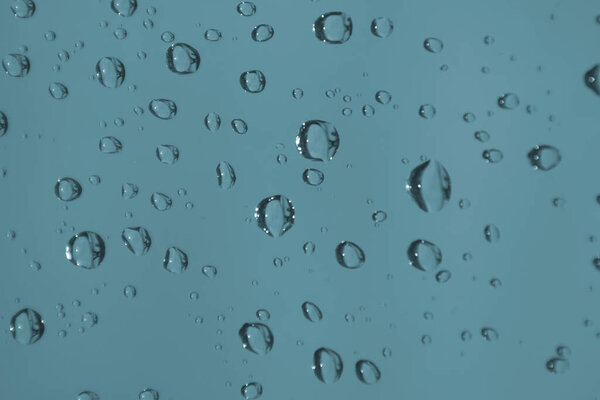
(429, 186)
(333, 27)
(256, 337)
(183, 58)
(508, 101)
(22, 8)
(137, 240)
(175, 260)
(317, 140)
(161, 201)
(491, 233)
(382, 27)
(58, 90)
(557, 365)
(225, 175)
(27, 326)
(311, 311)
(544, 157)
(110, 145)
(275, 215)
(110, 72)
(67, 189)
(86, 250)
(16, 65)
(124, 8)
(239, 126)
(212, 121)
(367, 372)
(424, 255)
(252, 390)
(327, 365)
(210, 271)
(213, 35)
(433, 45)
(167, 154)
(349, 255)
(163, 108)
(3, 123)
(313, 177)
(492, 156)
(262, 33)
(592, 79)
(253, 81)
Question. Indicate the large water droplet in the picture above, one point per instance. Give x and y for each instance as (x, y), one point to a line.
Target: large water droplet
(86, 250)
(262, 33)
(182, 58)
(22, 8)
(16, 65)
(492, 156)
(175, 261)
(592, 79)
(311, 311)
(317, 140)
(67, 189)
(544, 157)
(382, 27)
(367, 372)
(253, 81)
(27, 326)
(333, 27)
(256, 337)
(275, 215)
(429, 186)
(349, 255)
(58, 90)
(252, 390)
(212, 121)
(225, 175)
(424, 255)
(124, 8)
(163, 108)
(161, 201)
(148, 394)
(167, 154)
(327, 365)
(110, 72)
(137, 240)
(491, 233)
(110, 145)
(433, 45)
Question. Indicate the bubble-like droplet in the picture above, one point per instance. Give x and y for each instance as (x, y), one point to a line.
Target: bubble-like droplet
(246, 8)
(327, 365)
(213, 35)
(313, 177)
(3, 123)
(469, 117)
(491, 233)
(383, 97)
(379, 216)
(148, 394)
(253, 81)
(124, 8)
(161, 201)
(443, 276)
(482, 136)
(433, 45)
(239, 126)
(16, 65)
(163, 108)
(88, 395)
(308, 248)
(110, 72)
(129, 191)
(137, 240)
(120, 33)
(492, 156)
(333, 27)
(317, 140)
(252, 390)
(27, 326)
(367, 372)
(58, 90)
(130, 291)
(262, 33)
(256, 337)
(311, 312)
(110, 145)
(22, 8)
(563, 351)
(67, 189)
(297, 93)
(592, 79)
(167, 36)
(557, 365)
(89, 319)
(210, 271)
(225, 175)
(349, 255)
(182, 58)
(86, 250)
(382, 27)
(167, 154)
(368, 110)
(544, 157)
(175, 260)
(275, 215)
(212, 121)
(429, 186)
(424, 255)
(489, 334)
(508, 101)
(427, 111)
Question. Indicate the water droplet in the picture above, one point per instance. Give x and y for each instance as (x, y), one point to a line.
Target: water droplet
(163, 108)
(256, 337)
(592, 79)
(424, 255)
(368, 110)
(383, 97)
(212, 121)
(492, 155)
(367, 372)
(246, 8)
(209, 271)
(129, 291)
(262, 33)
(16, 65)
(182, 58)
(3, 123)
(137, 240)
(175, 260)
(508, 101)
(275, 215)
(110, 72)
(124, 8)
(161, 201)
(110, 145)
(263, 315)
(482, 136)
(253, 81)
(382, 27)
(89, 319)
(427, 111)
(333, 27)
(429, 186)
(67, 189)
(22, 8)
(213, 35)
(313, 177)
(433, 45)
(489, 334)
(120, 33)
(167, 154)
(225, 175)
(239, 126)
(557, 365)
(88, 395)
(129, 191)
(443, 276)
(252, 391)
(86, 250)
(379, 216)
(308, 248)
(297, 93)
(167, 36)
(563, 351)
(27, 326)
(317, 140)
(58, 91)
(349, 255)
(544, 157)
(311, 311)
(327, 365)
(148, 394)
(492, 233)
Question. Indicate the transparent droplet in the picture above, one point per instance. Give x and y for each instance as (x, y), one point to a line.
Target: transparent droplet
(3, 123)
(379, 216)
(508, 101)
(367, 372)
(110, 72)
(443, 276)
(252, 391)
(167, 36)
(327, 365)
(492, 155)
(148, 394)
(544, 157)
(209, 271)
(433, 45)
(275, 215)
(67, 189)
(88, 395)
(592, 79)
(182, 58)
(167, 154)
(253, 81)
(429, 186)
(557, 365)
(482, 136)
(110, 145)
(27, 326)
(368, 110)
(256, 337)
(129, 190)
(89, 319)
(349, 255)
(161, 201)
(239, 126)
(491, 233)
(563, 351)
(86, 250)
(213, 35)
(58, 90)
(313, 177)
(129, 291)
(212, 121)
(262, 33)
(383, 97)
(333, 27)
(137, 240)
(427, 111)
(382, 27)
(308, 248)
(311, 312)
(124, 8)
(263, 315)
(16, 65)
(317, 140)
(489, 334)
(297, 93)
(225, 175)
(120, 33)
(163, 108)
(424, 255)
(175, 260)
(22, 8)
(246, 8)
(469, 117)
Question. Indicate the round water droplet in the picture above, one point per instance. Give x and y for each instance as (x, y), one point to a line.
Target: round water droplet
(563, 351)
(327, 365)
(58, 91)
(167, 154)
(110, 145)
(382, 27)
(544, 157)
(148, 394)
(129, 190)
(27, 326)
(367, 372)
(443, 276)
(492, 156)
(469, 117)
(592, 79)
(297, 93)
(424, 255)
(333, 27)
(67, 189)
(129, 291)
(22, 8)
(16, 65)
(110, 72)
(379, 216)
(368, 110)
(137, 240)
(239, 126)
(209, 271)
(433, 45)
(262, 33)
(349, 255)
(313, 177)
(508, 101)
(88, 395)
(427, 111)
(256, 337)
(383, 97)
(161, 201)
(489, 334)
(120, 33)
(246, 8)
(182, 58)
(263, 315)
(252, 391)
(167, 36)
(482, 136)
(317, 140)
(275, 215)
(429, 186)
(86, 250)
(557, 365)
(225, 175)
(124, 8)
(89, 319)
(212, 121)
(3, 123)
(163, 108)
(175, 260)
(311, 312)
(253, 81)
(492, 233)
(308, 248)
(213, 35)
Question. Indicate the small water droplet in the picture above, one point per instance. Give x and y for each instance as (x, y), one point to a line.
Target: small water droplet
(429, 186)
(313, 177)
(492, 156)
(253, 81)
(225, 175)
(22, 8)
(367, 372)
(161, 201)
(124, 8)
(311, 311)
(382, 27)
(239, 126)
(67, 189)
(213, 35)
(252, 390)
(58, 90)
(427, 111)
(424, 255)
(110, 145)
(349, 255)
(167, 154)
(327, 365)
(16, 65)
(433, 45)
(256, 337)
(262, 33)
(492, 233)
(175, 260)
